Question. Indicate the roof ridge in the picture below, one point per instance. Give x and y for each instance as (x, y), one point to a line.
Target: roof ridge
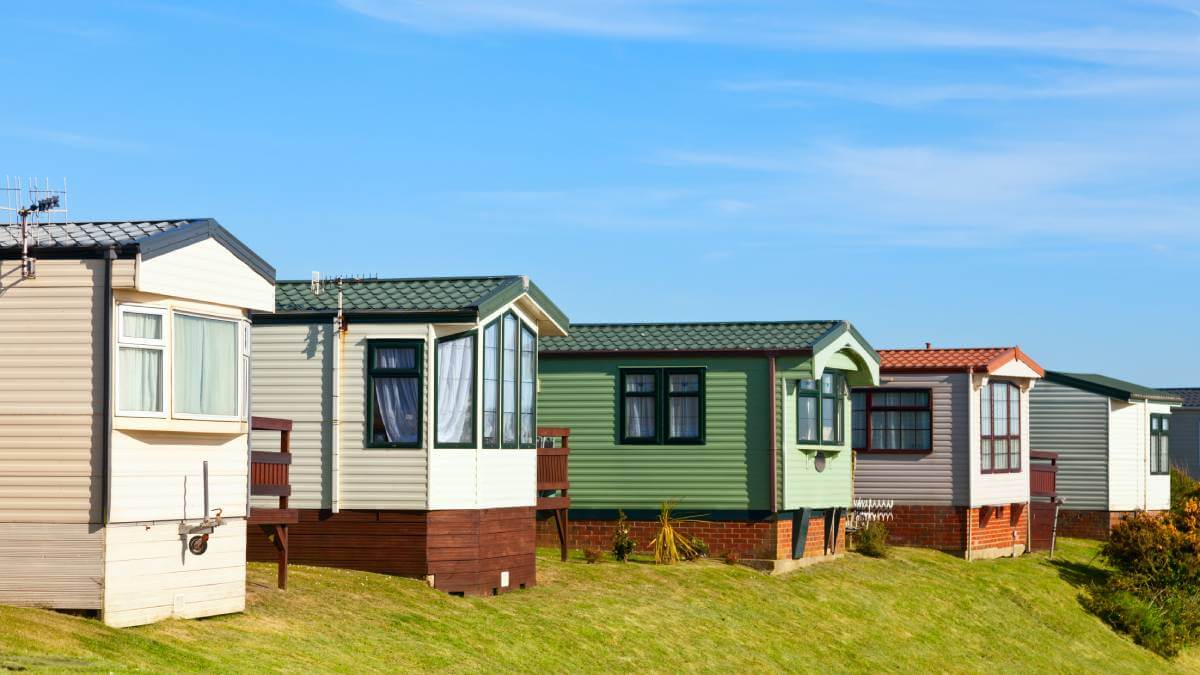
(943, 349)
(478, 277)
(704, 323)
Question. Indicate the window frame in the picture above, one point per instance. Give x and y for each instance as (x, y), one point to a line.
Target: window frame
(238, 378)
(372, 372)
(492, 444)
(476, 378)
(992, 422)
(165, 365)
(1163, 432)
(522, 329)
(522, 326)
(871, 407)
(662, 402)
(820, 396)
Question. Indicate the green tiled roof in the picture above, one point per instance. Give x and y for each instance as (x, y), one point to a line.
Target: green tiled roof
(668, 337)
(478, 295)
(1111, 387)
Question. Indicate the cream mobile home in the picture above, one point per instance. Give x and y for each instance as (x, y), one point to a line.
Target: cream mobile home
(123, 417)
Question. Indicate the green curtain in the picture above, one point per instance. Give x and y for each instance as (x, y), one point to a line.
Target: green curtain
(140, 380)
(205, 366)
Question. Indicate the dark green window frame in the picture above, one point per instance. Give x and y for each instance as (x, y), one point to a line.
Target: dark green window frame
(835, 398)
(523, 331)
(521, 328)
(1160, 444)
(476, 377)
(662, 406)
(372, 372)
(494, 441)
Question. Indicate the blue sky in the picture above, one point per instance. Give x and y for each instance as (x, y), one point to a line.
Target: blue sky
(1025, 173)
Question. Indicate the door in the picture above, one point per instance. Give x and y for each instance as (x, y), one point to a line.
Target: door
(1043, 491)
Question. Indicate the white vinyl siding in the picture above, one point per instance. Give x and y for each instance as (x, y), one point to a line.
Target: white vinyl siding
(209, 272)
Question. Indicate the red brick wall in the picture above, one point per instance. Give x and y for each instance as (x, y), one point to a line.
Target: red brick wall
(938, 527)
(994, 527)
(1090, 524)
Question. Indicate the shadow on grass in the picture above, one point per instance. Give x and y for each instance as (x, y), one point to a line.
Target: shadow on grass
(1078, 574)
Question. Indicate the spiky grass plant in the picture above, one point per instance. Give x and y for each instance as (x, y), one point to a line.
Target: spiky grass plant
(670, 546)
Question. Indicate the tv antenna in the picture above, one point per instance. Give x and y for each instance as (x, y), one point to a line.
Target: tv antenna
(30, 205)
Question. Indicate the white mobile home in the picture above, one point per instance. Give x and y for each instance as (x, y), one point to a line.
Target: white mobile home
(1111, 439)
(125, 353)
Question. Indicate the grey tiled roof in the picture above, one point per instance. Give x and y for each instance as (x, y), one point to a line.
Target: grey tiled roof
(89, 235)
(1190, 395)
(1111, 387)
(401, 295)
(667, 337)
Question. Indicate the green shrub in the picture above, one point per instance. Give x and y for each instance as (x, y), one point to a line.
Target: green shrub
(592, 555)
(622, 543)
(871, 540)
(1183, 488)
(1163, 625)
(699, 549)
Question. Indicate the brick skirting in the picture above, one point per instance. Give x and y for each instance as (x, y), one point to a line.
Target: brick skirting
(763, 540)
(1091, 524)
(945, 528)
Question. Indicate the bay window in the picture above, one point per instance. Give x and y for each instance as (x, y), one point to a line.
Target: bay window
(455, 406)
(509, 383)
(528, 386)
(1000, 427)
(394, 389)
(820, 409)
(205, 366)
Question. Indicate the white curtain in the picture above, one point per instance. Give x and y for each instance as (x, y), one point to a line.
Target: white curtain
(528, 386)
(206, 353)
(396, 357)
(397, 404)
(508, 400)
(456, 380)
(143, 326)
(685, 417)
(639, 417)
(141, 380)
(806, 419)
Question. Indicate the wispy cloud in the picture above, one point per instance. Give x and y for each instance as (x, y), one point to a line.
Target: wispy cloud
(76, 140)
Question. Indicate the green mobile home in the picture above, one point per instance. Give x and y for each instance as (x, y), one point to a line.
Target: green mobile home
(746, 425)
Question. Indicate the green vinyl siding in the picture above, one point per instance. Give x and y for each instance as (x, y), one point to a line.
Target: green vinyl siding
(800, 484)
(729, 471)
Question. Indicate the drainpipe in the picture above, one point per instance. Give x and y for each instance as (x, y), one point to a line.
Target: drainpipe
(106, 444)
(773, 449)
(973, 419)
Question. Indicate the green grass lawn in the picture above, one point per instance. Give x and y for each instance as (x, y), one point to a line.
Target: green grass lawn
(917, 611)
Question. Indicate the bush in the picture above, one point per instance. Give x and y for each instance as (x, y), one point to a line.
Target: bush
(1183, 488)
(1154, 592)
(592, 555)
(669, 545)
(699, 549)
(622, 543)
(730, 558)
(871, 540)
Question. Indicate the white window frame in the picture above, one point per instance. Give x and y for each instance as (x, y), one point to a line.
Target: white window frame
(238, 377)
(142, 343)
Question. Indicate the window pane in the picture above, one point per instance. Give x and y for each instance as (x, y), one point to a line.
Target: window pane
(985, 448)
(807, 385)
(924, 440)
(404, 358)
(508, 378)
(878, 430)
(829, 419)
(1166, 423)
(827, 383)
(455, 390)
(684, 417)
(1001, 454)
(397, 410)
(639, 417)
(806, 419)
(985, 411)
(140, 375)
(528, 385)
(858, 437)
(921, 399)
(206, 352)
(141, 326)
(491, 383)
(684, 383)
(893, 430)
(639, 383)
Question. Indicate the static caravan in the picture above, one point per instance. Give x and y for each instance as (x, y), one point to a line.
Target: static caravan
(1184, 431)
(747, 425)
(945, 438)
(1112, 438)
(413, 440)
(123, 419)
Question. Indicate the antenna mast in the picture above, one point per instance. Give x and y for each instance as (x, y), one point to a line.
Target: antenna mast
(32, 205)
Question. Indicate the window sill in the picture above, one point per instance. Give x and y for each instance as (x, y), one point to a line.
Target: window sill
(179, 425)
(879, 451)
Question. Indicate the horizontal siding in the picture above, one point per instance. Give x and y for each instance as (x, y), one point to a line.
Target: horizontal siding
(1128, 460)
(800, 484)
(209, 272)
(50, 405)
(1185, 441)
(159, 475)
(938, 477)
(292, 374)
(729, 471)
(50, 565)
(1074, 424)
(149, 575)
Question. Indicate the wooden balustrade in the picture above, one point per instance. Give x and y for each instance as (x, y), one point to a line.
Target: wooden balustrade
(553, 481)
(270, 477)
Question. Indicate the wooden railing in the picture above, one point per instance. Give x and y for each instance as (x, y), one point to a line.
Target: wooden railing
(1043, 474)
(553, 481)
(270, 477)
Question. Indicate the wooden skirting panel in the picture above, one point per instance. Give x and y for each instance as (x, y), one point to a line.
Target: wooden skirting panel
(465, 551)
(469, 550)
(389, 542)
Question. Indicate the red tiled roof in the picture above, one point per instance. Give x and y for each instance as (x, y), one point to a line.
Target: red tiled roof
(983, 359)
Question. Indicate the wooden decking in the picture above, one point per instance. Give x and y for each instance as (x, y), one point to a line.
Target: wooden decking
(553, 481)
(269, 477)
